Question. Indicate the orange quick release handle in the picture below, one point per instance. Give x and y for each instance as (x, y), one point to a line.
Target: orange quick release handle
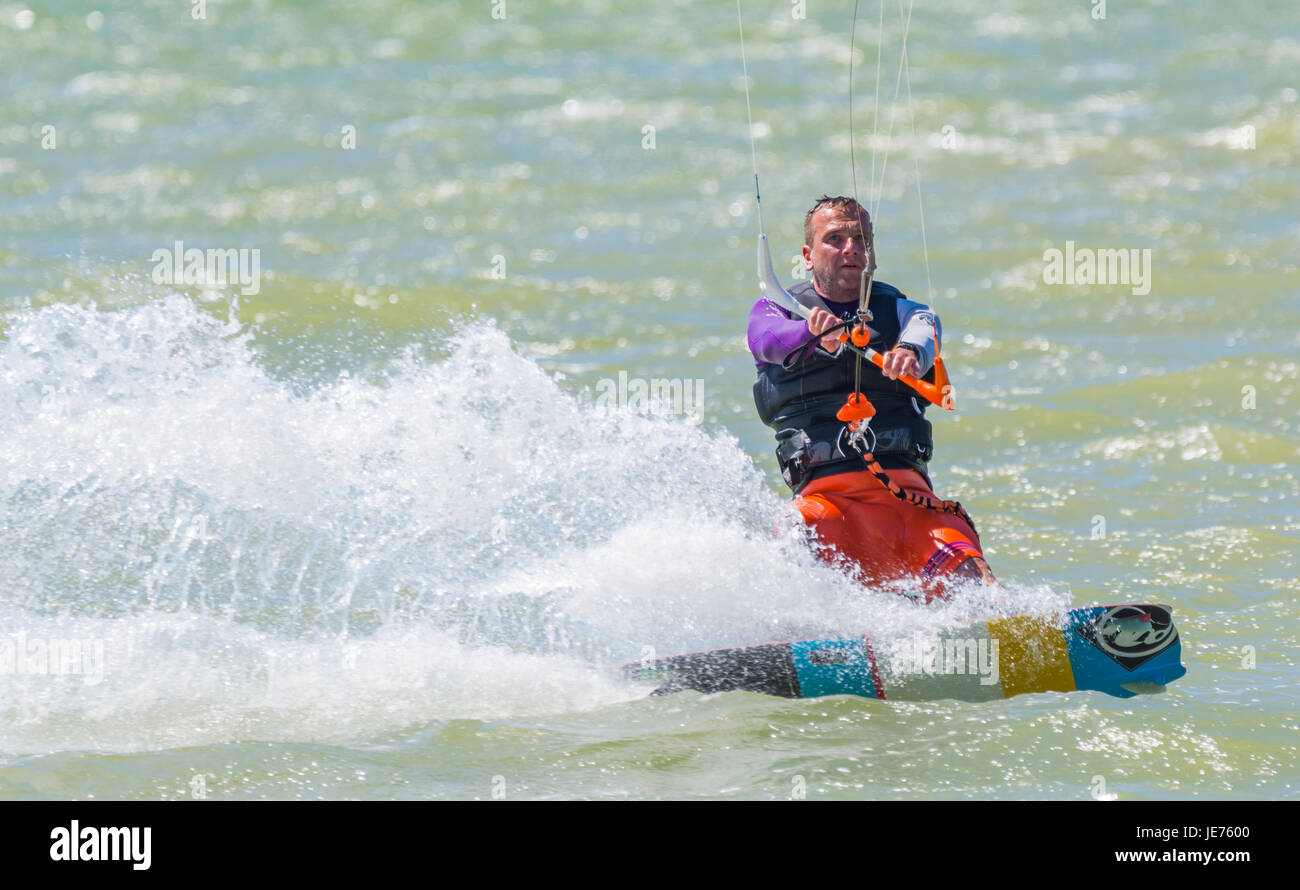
(856, 408)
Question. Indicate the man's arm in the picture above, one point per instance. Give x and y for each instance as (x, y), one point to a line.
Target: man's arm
(773, 334)
(921, 330)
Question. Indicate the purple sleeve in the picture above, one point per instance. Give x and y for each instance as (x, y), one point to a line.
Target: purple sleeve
(773, 334)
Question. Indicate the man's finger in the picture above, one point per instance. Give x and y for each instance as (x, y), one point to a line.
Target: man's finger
(820, 320)
(900, 362)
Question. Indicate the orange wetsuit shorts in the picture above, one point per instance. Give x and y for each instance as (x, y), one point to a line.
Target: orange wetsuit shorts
(887, 538)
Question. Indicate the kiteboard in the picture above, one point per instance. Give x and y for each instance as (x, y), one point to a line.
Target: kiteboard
(1121, 650)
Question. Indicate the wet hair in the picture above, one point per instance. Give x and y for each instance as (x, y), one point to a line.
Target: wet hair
(839, 202)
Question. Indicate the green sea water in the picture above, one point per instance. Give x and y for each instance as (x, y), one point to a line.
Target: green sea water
(363, 527)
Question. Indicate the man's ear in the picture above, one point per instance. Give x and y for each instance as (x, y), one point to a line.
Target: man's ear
(807, 257)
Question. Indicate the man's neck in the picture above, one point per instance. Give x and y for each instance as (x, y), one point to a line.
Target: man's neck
(832, 299)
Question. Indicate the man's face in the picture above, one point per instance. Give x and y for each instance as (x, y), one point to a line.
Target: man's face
(840, 254)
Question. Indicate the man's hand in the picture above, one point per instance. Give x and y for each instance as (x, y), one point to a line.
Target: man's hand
(900, 361)
(820, 321)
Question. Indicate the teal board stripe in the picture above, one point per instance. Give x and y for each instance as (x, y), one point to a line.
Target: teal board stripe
(833, 667)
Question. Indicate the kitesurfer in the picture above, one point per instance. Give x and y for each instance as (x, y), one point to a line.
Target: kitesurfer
(803, 378)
